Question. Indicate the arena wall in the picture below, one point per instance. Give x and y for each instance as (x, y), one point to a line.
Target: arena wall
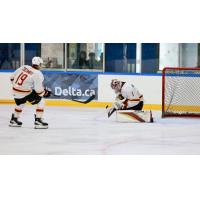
(148, 85)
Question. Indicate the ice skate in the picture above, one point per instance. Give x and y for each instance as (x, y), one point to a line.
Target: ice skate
(40, 124)
(14, 122)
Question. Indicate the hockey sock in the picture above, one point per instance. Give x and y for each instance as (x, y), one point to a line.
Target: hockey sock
(18, 110)
(40, 109)
(39, 112)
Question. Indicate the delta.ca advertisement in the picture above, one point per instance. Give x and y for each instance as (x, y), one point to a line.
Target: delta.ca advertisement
(72, 86)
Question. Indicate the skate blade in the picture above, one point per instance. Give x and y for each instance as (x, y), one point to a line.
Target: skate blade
(40, 127)
(14, 125)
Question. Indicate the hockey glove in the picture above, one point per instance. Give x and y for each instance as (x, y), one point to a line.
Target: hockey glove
(120, 104)
(47, 92)
(119, 97)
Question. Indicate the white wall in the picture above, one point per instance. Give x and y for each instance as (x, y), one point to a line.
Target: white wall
(5, 86)
(149, 86)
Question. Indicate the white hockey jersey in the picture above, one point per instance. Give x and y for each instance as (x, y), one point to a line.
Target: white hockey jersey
(25, 79)
(132, 95)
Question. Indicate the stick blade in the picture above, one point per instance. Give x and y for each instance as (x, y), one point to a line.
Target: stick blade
(111, 111)
(86, 101)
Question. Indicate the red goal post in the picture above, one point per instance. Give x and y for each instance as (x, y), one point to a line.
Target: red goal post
(180, 92)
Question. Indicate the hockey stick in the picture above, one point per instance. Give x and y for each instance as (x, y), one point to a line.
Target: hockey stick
(110, 111)
(84, 101)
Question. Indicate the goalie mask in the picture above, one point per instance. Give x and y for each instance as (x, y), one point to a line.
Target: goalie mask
(116, 85)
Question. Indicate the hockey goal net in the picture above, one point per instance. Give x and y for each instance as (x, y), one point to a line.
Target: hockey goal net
(181, 92)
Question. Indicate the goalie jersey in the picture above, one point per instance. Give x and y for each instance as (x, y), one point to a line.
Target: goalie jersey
(25, 79)
(132, 95)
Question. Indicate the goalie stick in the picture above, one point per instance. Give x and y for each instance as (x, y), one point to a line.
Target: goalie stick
(84, 101)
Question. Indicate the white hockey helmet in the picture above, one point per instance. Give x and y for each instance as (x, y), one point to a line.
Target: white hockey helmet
(37, 61)
(116, 85)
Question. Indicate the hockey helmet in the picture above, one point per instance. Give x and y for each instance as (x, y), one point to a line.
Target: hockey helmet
(37, 61)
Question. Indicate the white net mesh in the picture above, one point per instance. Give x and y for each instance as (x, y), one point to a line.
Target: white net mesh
(181, 92)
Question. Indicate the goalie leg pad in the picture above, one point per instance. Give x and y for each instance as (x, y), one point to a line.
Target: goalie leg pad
(134, 116)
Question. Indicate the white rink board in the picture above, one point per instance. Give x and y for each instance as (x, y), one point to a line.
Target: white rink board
(149, 86)
(5, 86)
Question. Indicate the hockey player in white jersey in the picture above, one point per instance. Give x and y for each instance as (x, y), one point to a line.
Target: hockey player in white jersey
(127, 96)
(27, 85)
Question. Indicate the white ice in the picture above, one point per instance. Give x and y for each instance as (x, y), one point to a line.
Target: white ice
(88, 131)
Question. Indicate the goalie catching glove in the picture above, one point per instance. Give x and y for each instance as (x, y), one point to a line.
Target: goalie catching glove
(120, 102)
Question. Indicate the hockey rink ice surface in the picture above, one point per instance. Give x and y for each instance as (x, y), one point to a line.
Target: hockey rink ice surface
(88, 131)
